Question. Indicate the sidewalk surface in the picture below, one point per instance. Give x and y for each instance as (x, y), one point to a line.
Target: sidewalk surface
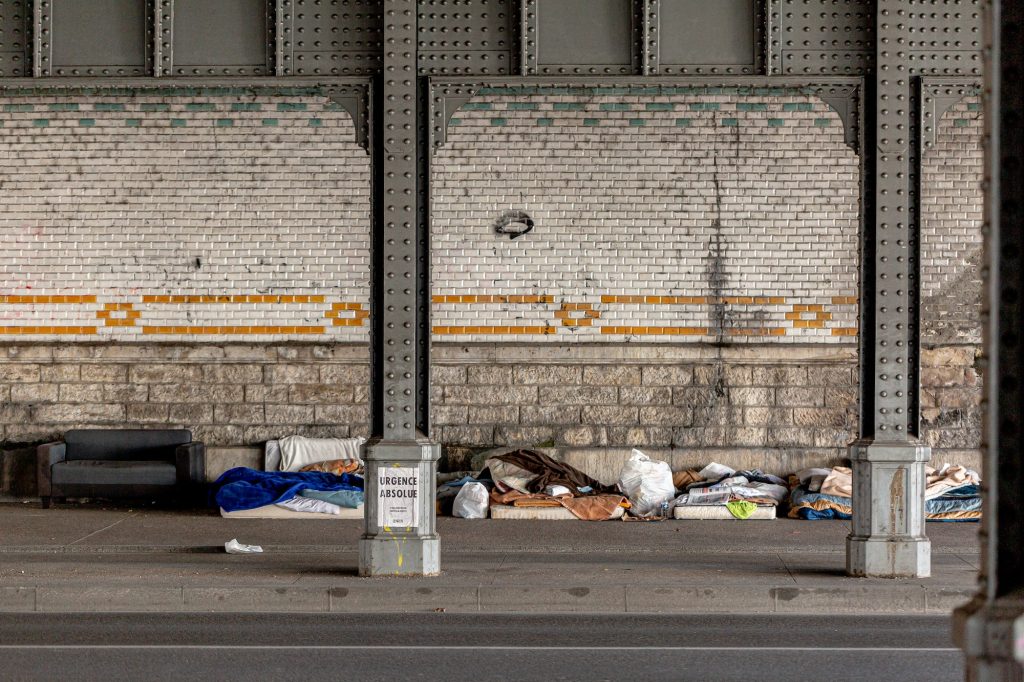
(106, 559)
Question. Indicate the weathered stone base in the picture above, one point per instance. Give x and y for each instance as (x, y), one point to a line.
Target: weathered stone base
(991, 634)
(400, 555)
(888, 558)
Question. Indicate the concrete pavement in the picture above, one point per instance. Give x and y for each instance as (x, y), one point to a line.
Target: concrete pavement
(104, 559)
(476, 647)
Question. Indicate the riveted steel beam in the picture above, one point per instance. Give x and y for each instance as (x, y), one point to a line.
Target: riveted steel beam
(401, 463)
(888, 534)
(649, 22)
(42, 38)
(163, 37)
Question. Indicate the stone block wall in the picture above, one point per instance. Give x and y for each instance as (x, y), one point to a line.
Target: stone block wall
(951, 216)
(199, 259)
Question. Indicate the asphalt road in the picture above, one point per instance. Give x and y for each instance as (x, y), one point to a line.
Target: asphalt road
(477, 648)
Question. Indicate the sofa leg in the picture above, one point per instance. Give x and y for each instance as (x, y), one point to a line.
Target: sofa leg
(45, 501)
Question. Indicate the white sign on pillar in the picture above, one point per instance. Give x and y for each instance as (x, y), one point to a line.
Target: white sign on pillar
(398, 497)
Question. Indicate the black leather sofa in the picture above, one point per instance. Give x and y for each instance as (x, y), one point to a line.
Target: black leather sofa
(122, 463)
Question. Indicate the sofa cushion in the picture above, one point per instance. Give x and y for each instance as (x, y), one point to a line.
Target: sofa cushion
(125, 444)
(110, 472)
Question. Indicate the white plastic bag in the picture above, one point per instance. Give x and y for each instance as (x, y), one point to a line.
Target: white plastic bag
(471, 502)
(233, 546)
(646, 482)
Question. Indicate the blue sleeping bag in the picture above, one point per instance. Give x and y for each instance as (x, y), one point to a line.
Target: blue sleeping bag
(243, 488)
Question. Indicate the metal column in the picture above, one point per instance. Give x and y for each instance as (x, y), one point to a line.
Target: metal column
(990, 628)
(888, 536)
(401, 463)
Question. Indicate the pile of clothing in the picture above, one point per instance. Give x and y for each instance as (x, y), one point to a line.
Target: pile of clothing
(320, 476)
(953, 493)
(741, 492)
(526, 478)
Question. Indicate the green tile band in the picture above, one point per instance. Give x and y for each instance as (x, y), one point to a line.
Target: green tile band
(477, 106)
(637, 122)
(660, 106)
(684, 122)
(316, 122)
(225, 122)
(200, 106)
(246, 106)
(108, 106)
(523, 106)
(87, 122)
(291, 106)
(751, 106)
(704, 106)
(776, 122)
(545, 121)
(155, 106)
(591, 122)
(498, 121)
(823, 122)
(568, 106)
(615, 106)
(270, 121)
(63, 106)
(178, 123)
(730, 122)
(133, 122)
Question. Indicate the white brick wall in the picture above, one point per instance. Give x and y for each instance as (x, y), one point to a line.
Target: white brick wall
(660, 217)
(193, 215)
(951, 208)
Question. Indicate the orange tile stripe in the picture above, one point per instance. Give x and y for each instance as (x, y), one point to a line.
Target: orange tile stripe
(658, 331)
(510, 298)
(232, 330)
(48, 330)
(45, 298)
(235, 298)
(695, 300)
(495, 330)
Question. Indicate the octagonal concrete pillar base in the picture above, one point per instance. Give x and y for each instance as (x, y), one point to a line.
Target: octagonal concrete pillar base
(888, 557)
(383, 555)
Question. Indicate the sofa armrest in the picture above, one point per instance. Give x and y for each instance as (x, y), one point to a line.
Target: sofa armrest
(47, 455)
(190, 463)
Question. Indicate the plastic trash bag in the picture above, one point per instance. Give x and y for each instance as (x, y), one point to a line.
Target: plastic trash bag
(646, 482)
(235, 547)
(471, 502)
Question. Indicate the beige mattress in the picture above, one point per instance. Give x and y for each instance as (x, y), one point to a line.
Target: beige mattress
(719, 512)
(272, 511)
(509, 512)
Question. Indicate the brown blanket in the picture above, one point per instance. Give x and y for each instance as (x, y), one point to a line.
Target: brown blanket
(589, 508)
(550, 472)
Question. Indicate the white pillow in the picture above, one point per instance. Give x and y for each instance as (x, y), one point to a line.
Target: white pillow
(298, 451)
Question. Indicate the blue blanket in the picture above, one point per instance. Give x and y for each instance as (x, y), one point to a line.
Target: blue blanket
(243, 488)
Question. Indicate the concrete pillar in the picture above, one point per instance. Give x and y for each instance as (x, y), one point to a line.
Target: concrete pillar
(990, 628)
(401, 463)
(888, 537)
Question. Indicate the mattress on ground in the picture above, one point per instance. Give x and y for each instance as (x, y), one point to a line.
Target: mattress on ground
(272, 511)
(720, 512)
(508, 512)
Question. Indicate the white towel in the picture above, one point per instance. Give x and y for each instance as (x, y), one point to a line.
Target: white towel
(308, 504)
(298, 451)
